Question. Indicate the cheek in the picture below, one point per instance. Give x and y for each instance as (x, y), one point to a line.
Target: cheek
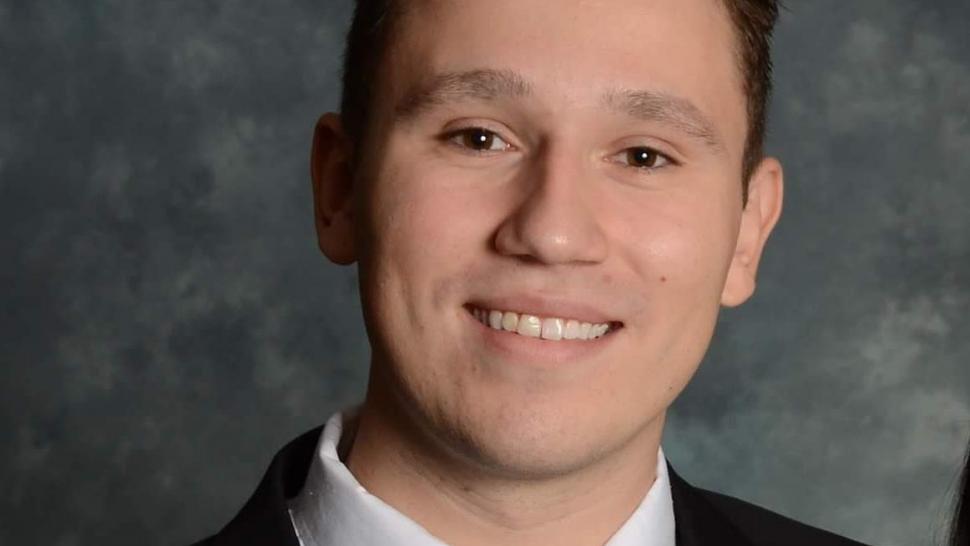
(677, 244)
(426, 228)
(678, 247)
(427, 233)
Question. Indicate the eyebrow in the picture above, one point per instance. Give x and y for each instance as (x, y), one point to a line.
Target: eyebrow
(660, 107)
(491, 84)
(448, 87)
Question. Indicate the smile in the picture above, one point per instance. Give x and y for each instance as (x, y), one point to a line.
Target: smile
(548, 328)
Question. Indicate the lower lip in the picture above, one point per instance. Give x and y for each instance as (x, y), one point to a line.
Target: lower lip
(538, 352)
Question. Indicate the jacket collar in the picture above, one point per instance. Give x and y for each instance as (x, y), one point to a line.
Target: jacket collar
(698, 522)
(265, 519)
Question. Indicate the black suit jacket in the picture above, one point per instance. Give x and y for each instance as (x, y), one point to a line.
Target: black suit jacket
(703, 518)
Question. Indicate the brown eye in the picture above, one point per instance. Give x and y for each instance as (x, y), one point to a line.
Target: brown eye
(645, 158)
(480, 140)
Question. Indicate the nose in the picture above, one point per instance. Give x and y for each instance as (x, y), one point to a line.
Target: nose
(555, 221)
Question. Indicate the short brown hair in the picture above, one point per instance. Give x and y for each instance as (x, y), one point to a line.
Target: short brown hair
(370, 33)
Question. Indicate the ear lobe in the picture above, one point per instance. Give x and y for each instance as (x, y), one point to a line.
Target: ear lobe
(330, 171)
(760, 215)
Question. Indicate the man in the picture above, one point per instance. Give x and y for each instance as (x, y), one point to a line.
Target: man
(548, 203)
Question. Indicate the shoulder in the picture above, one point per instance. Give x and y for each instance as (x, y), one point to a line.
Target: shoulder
(265, 518)
(764, 527)
(704, 518)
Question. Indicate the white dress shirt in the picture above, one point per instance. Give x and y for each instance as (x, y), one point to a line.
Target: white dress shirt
(333, 509)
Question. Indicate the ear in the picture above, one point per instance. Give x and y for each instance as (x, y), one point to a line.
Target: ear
(761, 213)
(330, 170)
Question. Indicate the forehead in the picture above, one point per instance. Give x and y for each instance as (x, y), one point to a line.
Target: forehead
(575, 50)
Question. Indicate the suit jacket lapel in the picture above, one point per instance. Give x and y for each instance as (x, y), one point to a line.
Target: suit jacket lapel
(697, 521)
(265, 519)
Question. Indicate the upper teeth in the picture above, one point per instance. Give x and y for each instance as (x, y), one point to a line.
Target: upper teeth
(551, 328)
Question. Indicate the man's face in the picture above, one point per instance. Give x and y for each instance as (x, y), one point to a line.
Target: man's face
(572, 160)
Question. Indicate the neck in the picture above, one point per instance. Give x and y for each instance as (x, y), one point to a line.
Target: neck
(464, 505)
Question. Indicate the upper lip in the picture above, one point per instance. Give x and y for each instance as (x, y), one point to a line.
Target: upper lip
(545, 306)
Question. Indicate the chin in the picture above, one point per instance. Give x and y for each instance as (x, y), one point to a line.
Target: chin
(545, 460)
(526, 442)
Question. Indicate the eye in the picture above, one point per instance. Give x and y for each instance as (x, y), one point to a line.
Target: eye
(479, 140)
(642, 157)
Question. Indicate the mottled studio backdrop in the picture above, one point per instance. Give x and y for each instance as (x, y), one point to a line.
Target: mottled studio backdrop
(167, 321)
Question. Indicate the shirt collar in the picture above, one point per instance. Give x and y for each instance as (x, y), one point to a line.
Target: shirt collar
(334, 508)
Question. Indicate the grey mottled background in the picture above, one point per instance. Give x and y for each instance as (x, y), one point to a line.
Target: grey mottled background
(168, 323)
